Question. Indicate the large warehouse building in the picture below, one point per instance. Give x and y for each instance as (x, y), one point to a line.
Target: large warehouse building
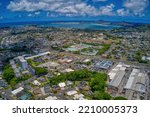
(136, 85)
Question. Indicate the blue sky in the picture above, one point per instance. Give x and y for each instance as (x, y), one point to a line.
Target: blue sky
(50, 10)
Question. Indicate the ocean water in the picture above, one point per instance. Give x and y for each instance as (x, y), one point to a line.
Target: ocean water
(75, 25)
(90, 26)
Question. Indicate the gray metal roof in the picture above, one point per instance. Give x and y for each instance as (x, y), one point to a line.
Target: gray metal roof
(137, 81)
(117, 79)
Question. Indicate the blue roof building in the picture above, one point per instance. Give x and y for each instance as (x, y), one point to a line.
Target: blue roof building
(26, 96)
(104, 64)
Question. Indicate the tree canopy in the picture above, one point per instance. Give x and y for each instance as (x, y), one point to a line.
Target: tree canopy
(120, 98)
(72, 76)
(40, 71)
(101, 96)
(8, 73)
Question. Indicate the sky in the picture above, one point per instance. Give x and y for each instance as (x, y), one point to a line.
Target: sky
(64, 10)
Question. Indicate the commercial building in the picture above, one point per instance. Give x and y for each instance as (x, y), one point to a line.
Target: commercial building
(39, 55)
(116, 75)
(136, 85)
(1, 66)
(15, 68)
(23, 63)
(104, 64)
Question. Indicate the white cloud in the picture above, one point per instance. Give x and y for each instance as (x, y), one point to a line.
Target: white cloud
(137, 7)
(78, 7)
(37, 13)
(25, 5)
(63, 7)
(123, 12)
(48, 14)
(108, 10)
(30, 15)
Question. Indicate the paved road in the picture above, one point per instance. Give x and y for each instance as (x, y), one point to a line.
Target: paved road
(135, 64)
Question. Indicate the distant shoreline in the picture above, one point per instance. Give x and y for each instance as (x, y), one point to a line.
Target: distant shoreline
(89, 25)
(60, 24)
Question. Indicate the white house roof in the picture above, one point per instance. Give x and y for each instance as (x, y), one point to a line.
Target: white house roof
(51, 98)
(78, 96)
(86, 60)
(36, 83)
(69, 70)
(73, 92)
(16, 91)
(62, 85)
